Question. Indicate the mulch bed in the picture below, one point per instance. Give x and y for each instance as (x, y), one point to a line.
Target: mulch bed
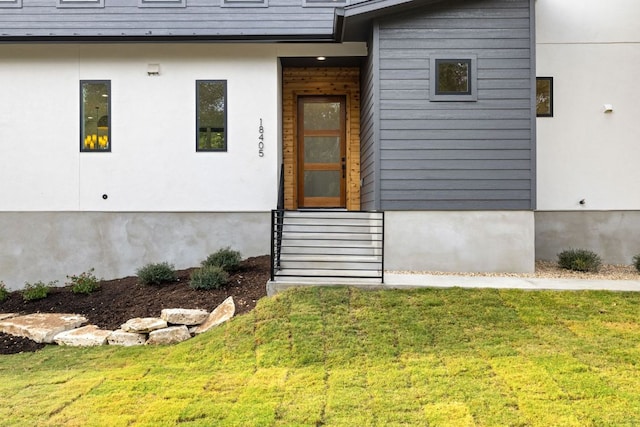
(122, 299)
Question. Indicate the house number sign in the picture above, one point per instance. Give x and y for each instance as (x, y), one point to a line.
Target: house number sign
(260, 140)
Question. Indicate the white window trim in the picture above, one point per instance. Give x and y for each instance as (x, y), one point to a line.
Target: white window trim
(10, 4)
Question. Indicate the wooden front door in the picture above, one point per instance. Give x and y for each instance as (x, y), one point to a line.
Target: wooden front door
(321, 151)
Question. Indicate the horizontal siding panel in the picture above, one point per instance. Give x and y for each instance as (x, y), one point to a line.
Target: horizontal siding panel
(451, 124)
(422, 104)
(468, 144)
(453, 114)
(453, 165)
(444, 205)
(417, 52)
(470, 174)
(458, 33)
(390, 135)
(396, 154)
(457, 44)
(458, 184)
(456, 194)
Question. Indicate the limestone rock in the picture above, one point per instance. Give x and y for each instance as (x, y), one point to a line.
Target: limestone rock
(41, 327)
(143, 324)
(126, 339)
(183, 316)
(170, 335)
(7, 315)
(86, 336)
(221, 314)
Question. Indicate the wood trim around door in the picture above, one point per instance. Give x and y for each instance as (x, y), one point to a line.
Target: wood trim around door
(329, 81)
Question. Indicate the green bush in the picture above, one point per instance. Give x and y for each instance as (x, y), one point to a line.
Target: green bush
(227, 259)
(579, 260)
(38, 290)
(209, 277)
(636, 262)
(84, 283)
(4, 293)
(156, 274)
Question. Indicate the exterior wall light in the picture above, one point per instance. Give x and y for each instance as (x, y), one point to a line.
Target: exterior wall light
(153, 69)
(608, 108)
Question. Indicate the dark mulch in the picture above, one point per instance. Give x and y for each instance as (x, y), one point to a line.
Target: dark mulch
(122, 299)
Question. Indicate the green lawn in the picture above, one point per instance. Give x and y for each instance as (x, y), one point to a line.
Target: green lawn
(344, 357)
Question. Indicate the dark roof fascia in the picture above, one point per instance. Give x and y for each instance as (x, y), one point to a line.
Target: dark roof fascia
(170, 39)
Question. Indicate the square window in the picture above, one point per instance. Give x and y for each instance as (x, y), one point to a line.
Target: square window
(211, 115)
(453, 78)
(544, 96)
(95, 115)
(79, 3)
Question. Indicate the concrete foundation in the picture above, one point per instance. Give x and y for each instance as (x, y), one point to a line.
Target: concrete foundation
(473, 241)
(614, 235)
(51, 245)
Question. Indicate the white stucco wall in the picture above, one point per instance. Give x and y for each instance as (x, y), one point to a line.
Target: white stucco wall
(153, 165)
(592, 50)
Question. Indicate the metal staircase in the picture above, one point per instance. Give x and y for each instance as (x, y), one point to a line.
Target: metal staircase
(326, 246)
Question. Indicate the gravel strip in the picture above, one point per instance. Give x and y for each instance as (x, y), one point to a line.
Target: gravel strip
(550, 269)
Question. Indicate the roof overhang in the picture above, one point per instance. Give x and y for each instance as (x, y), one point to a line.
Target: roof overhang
(355, 20)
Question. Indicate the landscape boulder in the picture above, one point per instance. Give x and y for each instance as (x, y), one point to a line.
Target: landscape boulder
(170, 335)
(41, 327)
(183, 316)
(221, 314)
(86, 336)
(126, 339)
(143, 325)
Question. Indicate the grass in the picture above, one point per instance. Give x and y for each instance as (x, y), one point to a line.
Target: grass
(344, 357)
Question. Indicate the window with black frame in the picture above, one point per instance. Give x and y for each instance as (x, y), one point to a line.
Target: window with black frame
(544, 96)
(211, 115)
(95, 115)
(453, 78)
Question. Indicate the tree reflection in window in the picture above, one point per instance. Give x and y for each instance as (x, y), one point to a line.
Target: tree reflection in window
(452, 77)
(211, 101)
(95, 113)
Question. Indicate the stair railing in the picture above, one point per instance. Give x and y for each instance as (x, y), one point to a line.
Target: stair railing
(276, 244)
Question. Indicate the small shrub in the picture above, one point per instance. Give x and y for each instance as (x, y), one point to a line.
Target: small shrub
(35, 291)
(156, 274)
(84, 283)
(4, 293)
(636, 262)
(209, 277)
(579, 260)
(227, 259)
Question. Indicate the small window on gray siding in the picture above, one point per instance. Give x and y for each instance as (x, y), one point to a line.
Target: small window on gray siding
(211, 115)
(162, 3)
(244, 3)
(4, 4)
(324, 3)
(71, 4)
(453, 78)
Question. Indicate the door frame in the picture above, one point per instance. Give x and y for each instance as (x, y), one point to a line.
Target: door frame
(322, 202)
(325, 81)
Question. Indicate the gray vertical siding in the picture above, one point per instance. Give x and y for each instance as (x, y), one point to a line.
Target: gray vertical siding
(457, 155)
(369, 131)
